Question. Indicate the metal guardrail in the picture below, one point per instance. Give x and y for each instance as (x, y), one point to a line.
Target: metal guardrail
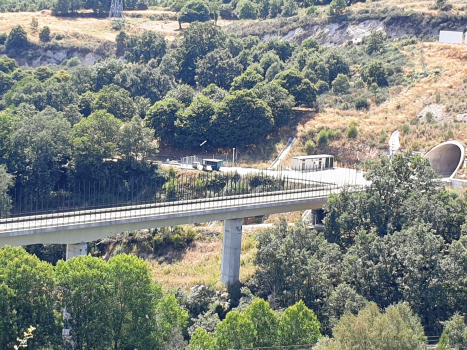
(111, 192)
(165, 209)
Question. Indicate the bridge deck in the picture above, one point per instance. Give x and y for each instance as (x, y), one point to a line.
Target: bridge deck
(88, 225)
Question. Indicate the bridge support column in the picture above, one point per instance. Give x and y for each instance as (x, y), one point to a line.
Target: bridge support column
(231, 249)
(73, 250)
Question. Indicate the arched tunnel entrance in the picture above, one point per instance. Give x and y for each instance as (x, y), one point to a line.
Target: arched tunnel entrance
(446, 158)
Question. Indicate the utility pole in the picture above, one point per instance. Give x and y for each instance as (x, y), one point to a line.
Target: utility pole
(233, 157)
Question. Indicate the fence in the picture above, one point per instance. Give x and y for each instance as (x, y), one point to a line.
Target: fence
(113, 193)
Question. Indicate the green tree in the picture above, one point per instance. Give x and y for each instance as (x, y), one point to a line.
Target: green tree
(236, 331)
(131, 303)
(114, 100)
(6, 181)
(404, 266)
(218, 67)
(268, 59)
(247, 80)
(397, 192)
(215, 93)
(294, 81)
(265, 322)
(121, 39)
(198, 40)
(275, 8)
(375, 72)
(454, 334)
(145, 47)
(298, 325)
(8, 65)
(396, 329)
(38, 148)
(335, 64)
(279, 100)
(170, 319)
(341, 84)
(44, 34)
(135, 141)
(84, 285)
(246, 9)
(93, 139)
(296, 264)
(375, 42)
(241, 119)
(193, 126)
(344, 299)
(27, 299)
(17, 39)
(43, 73)
(283, 48)
(289, 9)
(162, 116)
(337, 7)
(183, 93)
(61, 7)
(194, 11)
(202, 340)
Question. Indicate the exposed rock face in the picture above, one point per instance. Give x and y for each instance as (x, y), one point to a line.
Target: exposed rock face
(335, 34)
(45, 57)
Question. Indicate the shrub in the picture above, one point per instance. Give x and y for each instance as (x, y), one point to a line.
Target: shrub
(321, 87)
(323, 137)
(246, 10)
(375, 72)
(311, 10)
(17, 39)
(226, 11)
(195, 10)
(383, 137)
(116, 25)
(337, 7)
(405, 128)
(289, 9)
(44, 34)
(429, 117)
(415, 121)
(310, 147)
(341, 84)
(362, 103)
(73, 62)
(3, 37)
(352, 130)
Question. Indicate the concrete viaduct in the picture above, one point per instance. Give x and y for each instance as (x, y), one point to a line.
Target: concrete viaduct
(76, 228)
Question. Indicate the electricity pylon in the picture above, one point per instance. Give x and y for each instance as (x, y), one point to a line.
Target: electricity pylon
(116, 11)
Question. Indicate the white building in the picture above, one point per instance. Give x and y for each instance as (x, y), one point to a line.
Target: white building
(313, 163)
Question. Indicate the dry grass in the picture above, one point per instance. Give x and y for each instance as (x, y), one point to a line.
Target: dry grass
(400, 108)
(201, 264)
(79, 30)
(418, 6)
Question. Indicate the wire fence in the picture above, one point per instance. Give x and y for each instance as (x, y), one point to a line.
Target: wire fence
(168, 188)
(175, 210)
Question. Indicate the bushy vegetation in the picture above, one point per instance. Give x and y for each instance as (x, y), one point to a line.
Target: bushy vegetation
(109, 303)
(229, 91)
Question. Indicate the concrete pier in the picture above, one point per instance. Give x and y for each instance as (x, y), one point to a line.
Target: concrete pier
(73, 250)
(231, 249)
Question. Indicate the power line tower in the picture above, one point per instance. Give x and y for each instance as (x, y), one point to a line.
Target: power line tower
(116, 11)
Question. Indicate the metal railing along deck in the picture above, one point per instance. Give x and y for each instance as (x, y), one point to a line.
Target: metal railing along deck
(153, 211)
